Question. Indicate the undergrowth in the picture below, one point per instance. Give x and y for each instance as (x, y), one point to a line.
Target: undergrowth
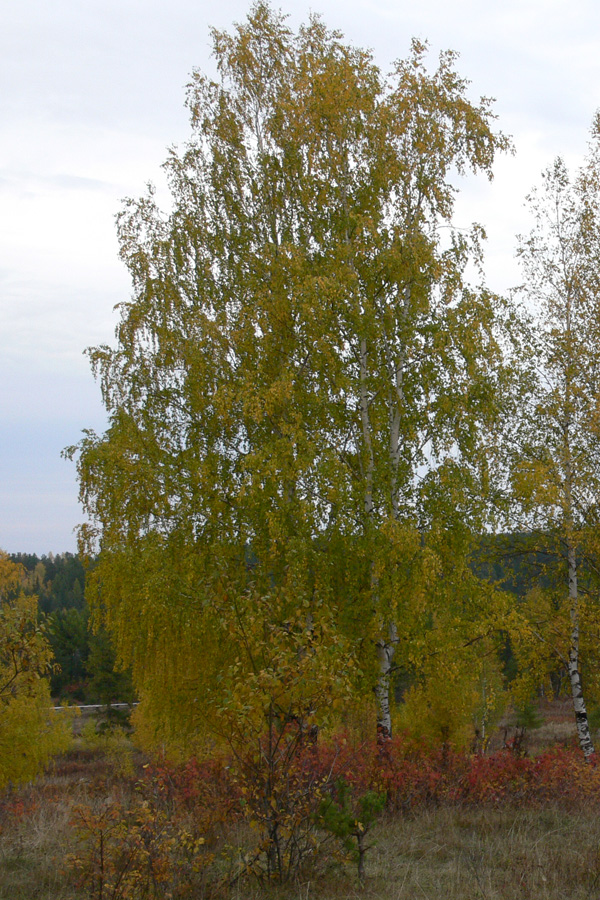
(105, 824)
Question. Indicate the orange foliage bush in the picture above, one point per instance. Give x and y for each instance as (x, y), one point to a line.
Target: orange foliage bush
(159, 844)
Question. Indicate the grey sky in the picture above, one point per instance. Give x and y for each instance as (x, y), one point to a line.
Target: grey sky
(91, 95)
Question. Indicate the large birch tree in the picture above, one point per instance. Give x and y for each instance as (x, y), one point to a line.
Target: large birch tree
(304, 388)
(557, 474)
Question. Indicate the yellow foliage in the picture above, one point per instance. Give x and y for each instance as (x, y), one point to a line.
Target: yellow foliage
(30, 731)
(167, 736)
(451, 703)
(30, 734)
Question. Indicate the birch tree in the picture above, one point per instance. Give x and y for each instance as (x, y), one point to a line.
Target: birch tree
(304, 387)
(558, 474)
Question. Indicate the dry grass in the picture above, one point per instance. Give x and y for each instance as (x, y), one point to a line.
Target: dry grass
(36, 823)
(32, 854)
(446, 854)
(544, 854)
(490, 854)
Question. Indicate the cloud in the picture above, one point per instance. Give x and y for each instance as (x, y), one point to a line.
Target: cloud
(30, 183)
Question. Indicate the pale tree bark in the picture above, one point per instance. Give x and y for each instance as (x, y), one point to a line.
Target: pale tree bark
(384, 656)
(386, 647)
(386, 650)
(579, 707)
(366, 429)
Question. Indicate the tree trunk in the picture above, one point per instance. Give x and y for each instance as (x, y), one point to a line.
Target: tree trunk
(579, 707)
(385, 655)
(366, 427)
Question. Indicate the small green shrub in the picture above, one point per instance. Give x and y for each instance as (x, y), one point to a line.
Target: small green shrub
(350, 818)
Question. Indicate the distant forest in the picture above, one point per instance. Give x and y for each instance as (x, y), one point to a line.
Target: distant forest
(86, 665)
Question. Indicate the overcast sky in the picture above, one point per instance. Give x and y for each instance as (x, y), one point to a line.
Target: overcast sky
(91, 95)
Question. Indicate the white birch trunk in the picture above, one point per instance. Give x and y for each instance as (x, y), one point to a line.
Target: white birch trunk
(579, 707)
(366, 428)
(385, 655)
(385, 650)
(396, 403)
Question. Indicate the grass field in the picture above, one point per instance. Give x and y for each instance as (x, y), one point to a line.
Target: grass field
(546, 852)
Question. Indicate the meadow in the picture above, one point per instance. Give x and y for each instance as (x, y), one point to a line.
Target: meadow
(107, 823)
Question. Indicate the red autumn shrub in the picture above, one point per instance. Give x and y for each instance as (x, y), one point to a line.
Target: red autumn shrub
(416, 776)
